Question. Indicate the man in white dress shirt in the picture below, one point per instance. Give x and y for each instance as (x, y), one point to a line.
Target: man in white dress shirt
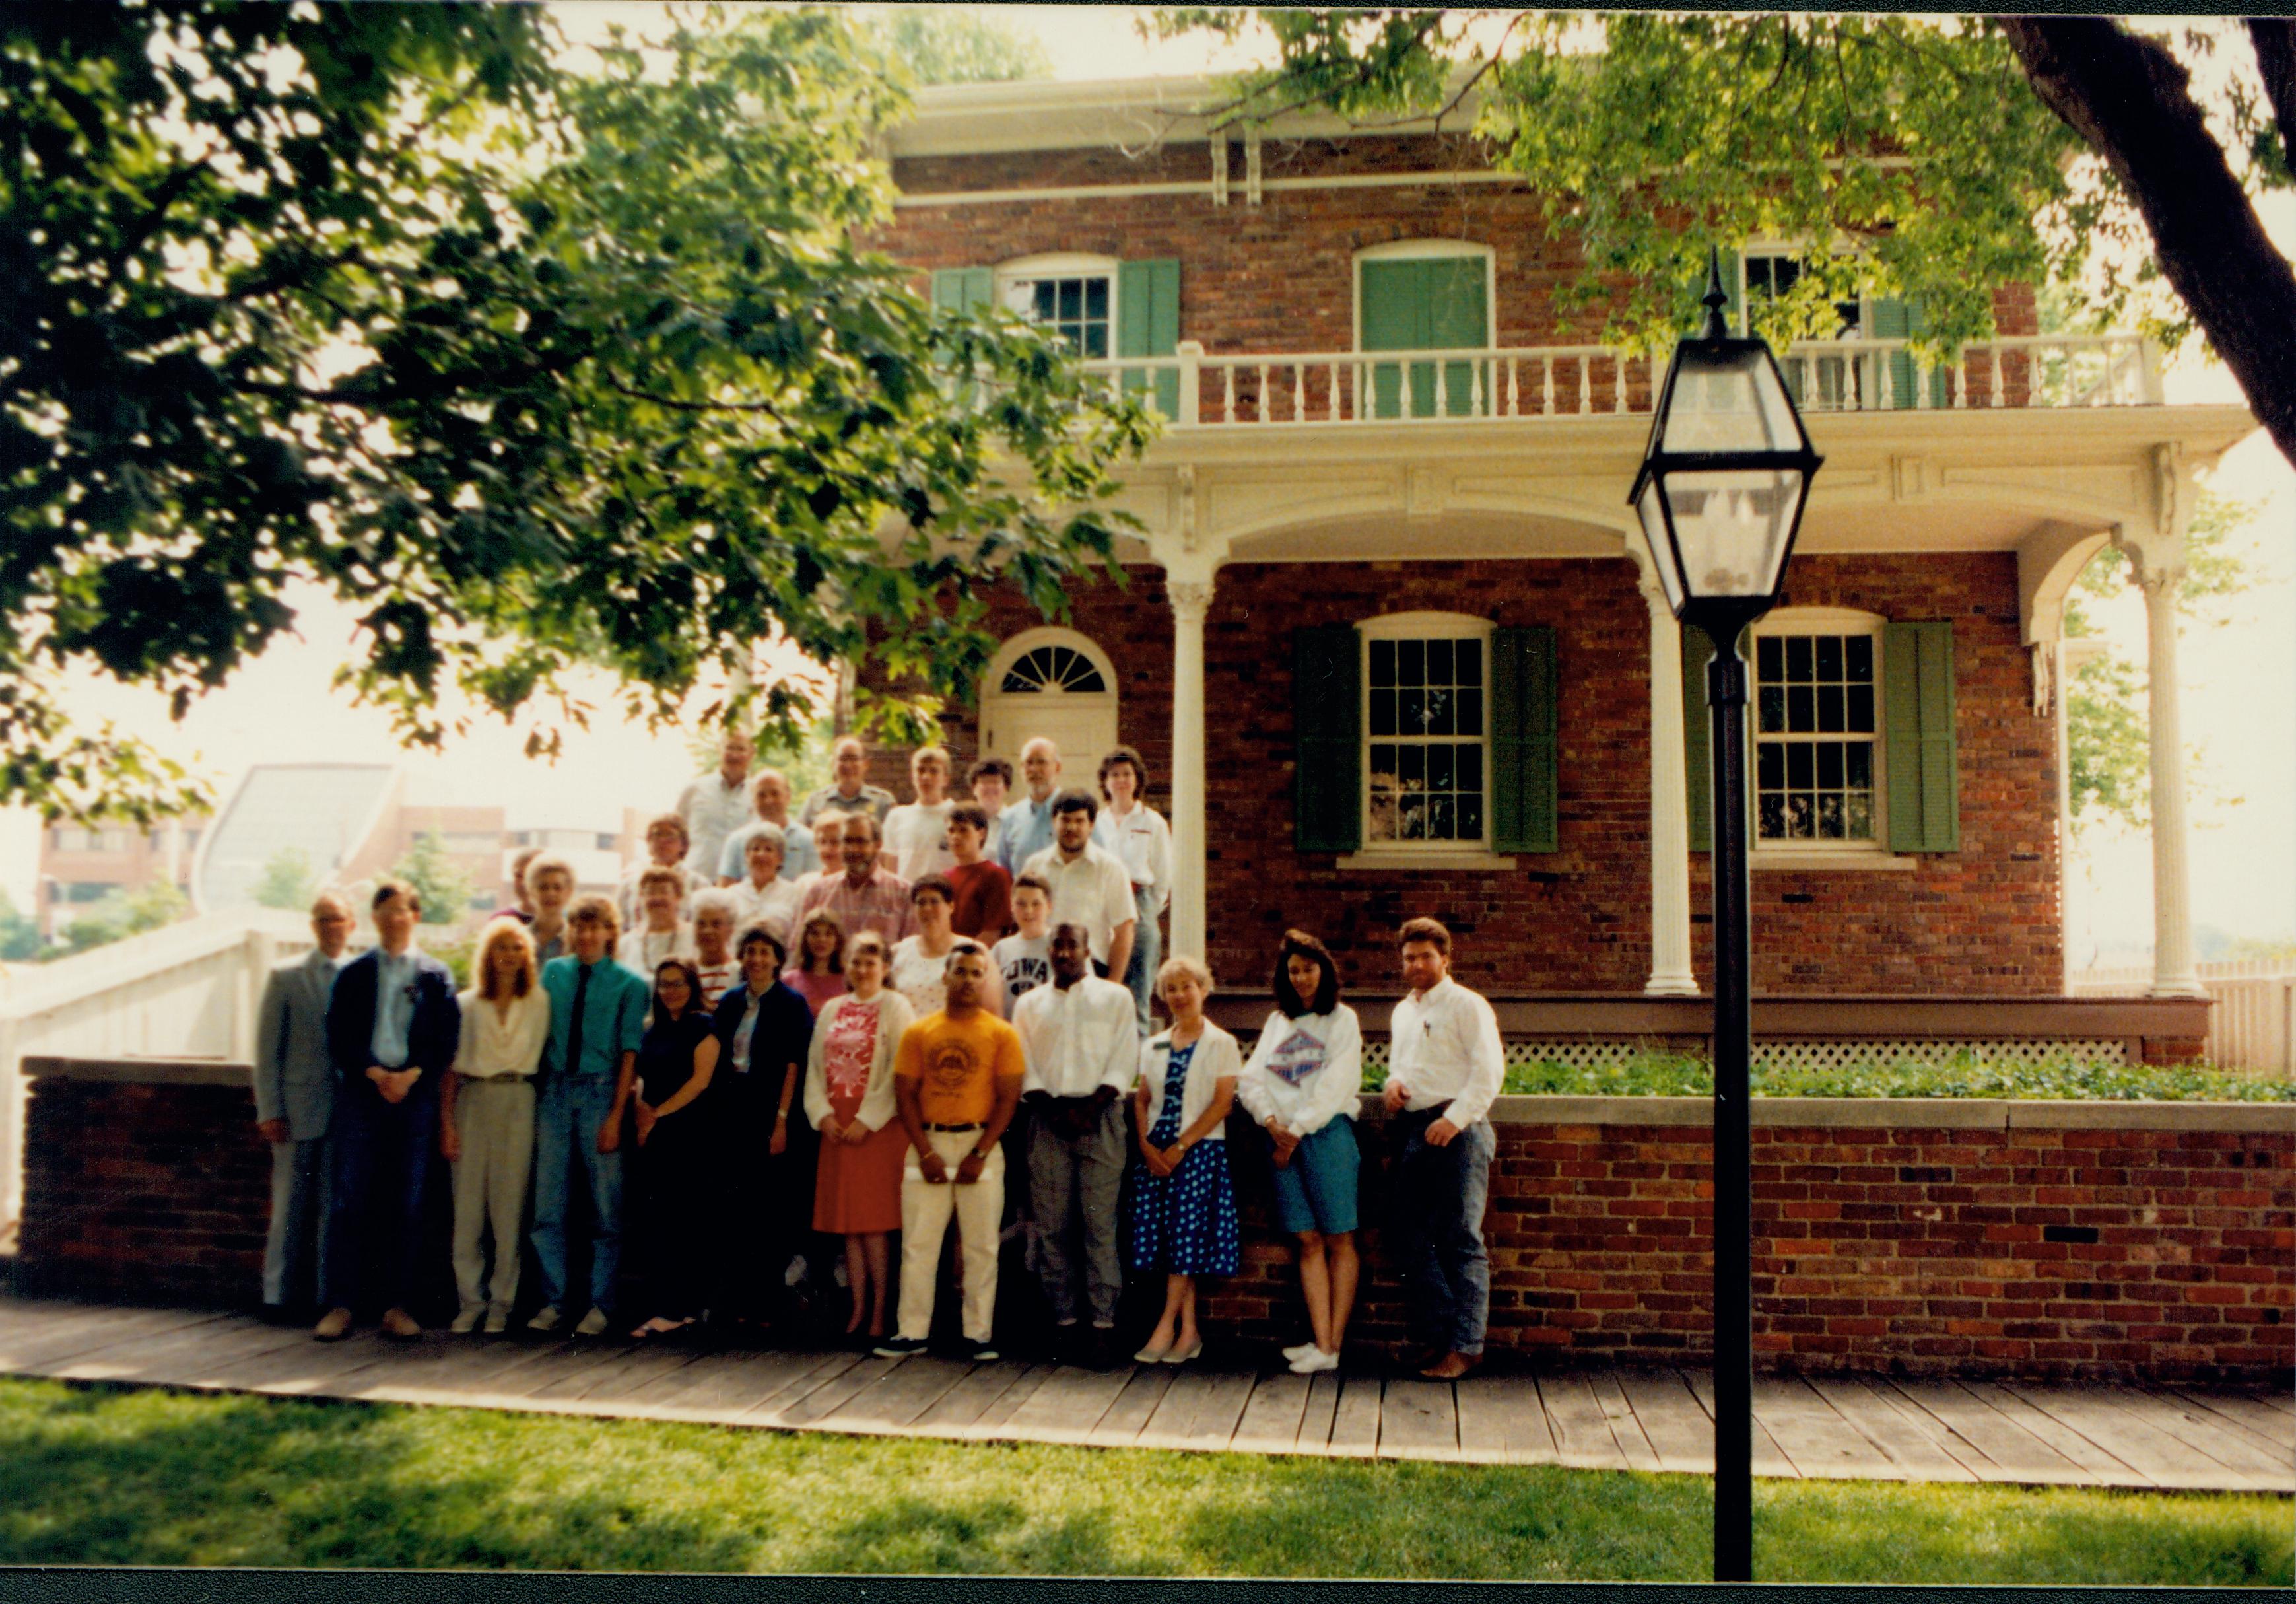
(1445, 1066)
(716, 805)
(1090, 885)
(1080, 1040)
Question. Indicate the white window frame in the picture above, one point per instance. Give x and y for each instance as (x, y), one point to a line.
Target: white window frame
(1419, 626)
(1838, 854)
(1414, 249)
(1063, 264)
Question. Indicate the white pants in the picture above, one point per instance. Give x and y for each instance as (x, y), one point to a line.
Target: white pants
(925, 1209)
(496, 1122)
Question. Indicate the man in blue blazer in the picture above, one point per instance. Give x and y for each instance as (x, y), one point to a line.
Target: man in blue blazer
(294, 1103)
(392, 1028)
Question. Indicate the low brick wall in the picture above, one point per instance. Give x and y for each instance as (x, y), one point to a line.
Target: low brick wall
(1905, 1236)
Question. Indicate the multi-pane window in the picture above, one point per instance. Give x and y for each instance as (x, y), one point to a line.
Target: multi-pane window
(1815, 738)
(1080, 306)
(1425, 728)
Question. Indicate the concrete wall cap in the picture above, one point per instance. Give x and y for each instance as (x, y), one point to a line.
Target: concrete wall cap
(142, 1071)
(2279, 1117)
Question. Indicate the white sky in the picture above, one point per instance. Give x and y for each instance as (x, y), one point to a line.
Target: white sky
(2239, 693)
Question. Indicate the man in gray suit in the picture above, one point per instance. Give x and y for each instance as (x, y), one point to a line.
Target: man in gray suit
(294, 1094)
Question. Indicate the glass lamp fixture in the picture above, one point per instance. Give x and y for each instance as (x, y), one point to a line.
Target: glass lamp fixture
(1725, 476)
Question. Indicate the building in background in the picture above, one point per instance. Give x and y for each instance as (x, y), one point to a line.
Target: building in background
(82, 865)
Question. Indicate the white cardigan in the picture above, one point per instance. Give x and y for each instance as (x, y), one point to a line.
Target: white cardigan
(1305, 1072)
(877, 1110)
(1218, 1058)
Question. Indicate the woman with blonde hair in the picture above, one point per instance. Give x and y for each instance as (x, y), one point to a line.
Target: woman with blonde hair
(848, 1097)
(1183, 1202)
(486, 1120)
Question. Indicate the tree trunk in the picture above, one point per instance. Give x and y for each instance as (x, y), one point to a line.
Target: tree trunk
(2274, 39)
(2131, 101)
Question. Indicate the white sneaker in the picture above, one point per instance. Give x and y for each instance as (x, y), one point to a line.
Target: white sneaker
(466, 1320)
(1300, 1350)
(1315, 1360)
(545, 1319)
(594, 1324)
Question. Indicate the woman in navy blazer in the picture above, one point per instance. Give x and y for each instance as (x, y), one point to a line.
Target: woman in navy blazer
(765, 1031)
(386, 1115)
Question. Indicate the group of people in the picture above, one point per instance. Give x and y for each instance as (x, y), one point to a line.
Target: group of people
(840, 1024)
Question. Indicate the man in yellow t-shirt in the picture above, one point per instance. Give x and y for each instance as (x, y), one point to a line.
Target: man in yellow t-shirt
(956, 1080)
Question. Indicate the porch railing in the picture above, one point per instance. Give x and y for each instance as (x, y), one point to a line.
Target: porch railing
(1198, 389)
(2252, 1025)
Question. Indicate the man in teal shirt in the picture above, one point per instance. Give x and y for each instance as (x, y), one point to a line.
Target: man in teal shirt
(597, 1017)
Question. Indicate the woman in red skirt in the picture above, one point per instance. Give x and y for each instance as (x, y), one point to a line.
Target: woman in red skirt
(848, 1097)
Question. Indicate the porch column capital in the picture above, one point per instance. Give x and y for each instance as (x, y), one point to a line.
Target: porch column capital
(1190, 599)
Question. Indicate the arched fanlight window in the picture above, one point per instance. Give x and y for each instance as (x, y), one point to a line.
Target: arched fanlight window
(1053, 668)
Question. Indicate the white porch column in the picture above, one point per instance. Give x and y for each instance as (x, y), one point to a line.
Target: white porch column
(1670, 974)
(2173, 974)
(1190, 599)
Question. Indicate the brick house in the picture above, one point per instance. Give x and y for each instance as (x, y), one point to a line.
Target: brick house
(1387, 641)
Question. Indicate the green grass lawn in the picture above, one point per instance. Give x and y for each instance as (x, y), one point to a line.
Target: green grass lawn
(106, 1476)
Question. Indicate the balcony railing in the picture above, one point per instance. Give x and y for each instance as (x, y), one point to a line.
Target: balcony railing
(1198, 388)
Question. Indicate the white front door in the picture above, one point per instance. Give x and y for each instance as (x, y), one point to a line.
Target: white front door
(1084, 728)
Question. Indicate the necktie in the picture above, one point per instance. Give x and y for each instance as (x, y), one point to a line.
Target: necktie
(574, 1031)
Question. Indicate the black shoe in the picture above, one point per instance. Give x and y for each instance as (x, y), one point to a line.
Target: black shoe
(898, 1347)
(1104, 1353)
(980, 1352)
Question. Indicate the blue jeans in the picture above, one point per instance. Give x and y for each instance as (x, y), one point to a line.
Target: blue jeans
(378, 1162)
(1440, 1197)
(1147, 952)
(568, 1111)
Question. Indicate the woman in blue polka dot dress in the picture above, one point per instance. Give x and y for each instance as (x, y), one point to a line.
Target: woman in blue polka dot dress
(1183, 1205)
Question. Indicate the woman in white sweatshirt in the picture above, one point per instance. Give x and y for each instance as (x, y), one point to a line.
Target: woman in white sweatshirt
(1303, 1084)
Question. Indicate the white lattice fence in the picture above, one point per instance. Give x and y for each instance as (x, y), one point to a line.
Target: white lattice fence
(1591, 1053)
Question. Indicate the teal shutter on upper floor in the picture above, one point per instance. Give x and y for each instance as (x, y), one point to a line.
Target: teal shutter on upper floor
(1917, 711)
(1423, 303)
(1889, 318)
(961, 289)
(1148, 323)
(1326, 738)
(1524, 808)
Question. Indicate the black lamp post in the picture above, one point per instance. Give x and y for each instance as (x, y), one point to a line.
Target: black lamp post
(1720, 496)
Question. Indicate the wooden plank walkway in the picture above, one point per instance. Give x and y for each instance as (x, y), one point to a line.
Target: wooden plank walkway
(1654, 1419)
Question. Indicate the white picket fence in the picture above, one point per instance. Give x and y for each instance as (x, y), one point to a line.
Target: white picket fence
(2252, 1026)
(187, 992)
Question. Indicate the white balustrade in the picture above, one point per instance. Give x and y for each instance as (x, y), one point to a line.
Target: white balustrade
(1451, 385)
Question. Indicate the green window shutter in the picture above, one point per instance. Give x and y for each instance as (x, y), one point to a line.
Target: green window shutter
(1917, 708)
(1392, 318)
(1148, 323)
(1889, 318)
(961, 289)
(1698, 737)
(1522, 733)
(1423, 303)
(1327, 738)
(1457, 315)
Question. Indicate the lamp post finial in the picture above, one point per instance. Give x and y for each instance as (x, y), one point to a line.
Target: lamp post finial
(1715, 299)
